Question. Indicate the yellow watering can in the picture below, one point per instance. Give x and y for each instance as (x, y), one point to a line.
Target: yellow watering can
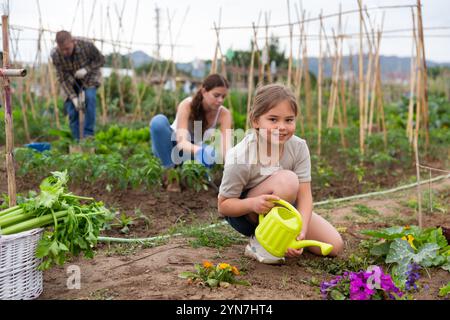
(279, 229)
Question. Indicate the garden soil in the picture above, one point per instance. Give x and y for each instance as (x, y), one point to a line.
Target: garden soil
(121, 271)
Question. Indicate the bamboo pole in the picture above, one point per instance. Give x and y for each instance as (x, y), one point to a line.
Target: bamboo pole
(417, 128)
(334, 83)
(29, 97)
(102, 88)
(412, 83)
(54, 94)
(424, 74)
(319, 90)
(375, 79)
(9, 127)
(289, 76)
(299, 75)
(116, 63)
(269, 75)
(352, 82)
(216, 51)
(343, 96)
(361, 81)
(380, 105)
(24, 111)
(341, 79)
(308, 95)
(250, 77)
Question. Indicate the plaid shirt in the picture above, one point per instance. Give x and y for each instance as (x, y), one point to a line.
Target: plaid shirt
(85, 55)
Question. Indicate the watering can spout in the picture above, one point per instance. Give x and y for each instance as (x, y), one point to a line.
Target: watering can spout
(325, 248)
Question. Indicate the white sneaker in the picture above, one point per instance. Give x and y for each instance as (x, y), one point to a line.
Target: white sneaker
(256, 251)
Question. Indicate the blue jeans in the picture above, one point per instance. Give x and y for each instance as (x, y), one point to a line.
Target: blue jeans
(89, 115)
(164, 142)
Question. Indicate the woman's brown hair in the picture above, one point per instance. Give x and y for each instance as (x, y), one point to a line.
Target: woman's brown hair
(197, 112)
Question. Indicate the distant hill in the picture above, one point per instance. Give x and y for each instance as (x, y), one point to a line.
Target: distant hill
(392, 67)
(140, 58)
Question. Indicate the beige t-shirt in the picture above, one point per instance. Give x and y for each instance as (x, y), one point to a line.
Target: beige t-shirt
(244, 170)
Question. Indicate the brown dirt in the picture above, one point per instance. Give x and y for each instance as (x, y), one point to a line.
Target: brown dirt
(152, 273)
(135, 272)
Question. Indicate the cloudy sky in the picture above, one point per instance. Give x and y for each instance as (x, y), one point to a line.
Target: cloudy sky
(192, 22)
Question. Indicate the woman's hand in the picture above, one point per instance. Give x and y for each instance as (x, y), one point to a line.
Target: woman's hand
(262, 204)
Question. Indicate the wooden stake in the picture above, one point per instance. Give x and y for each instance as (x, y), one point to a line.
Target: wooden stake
(8, 118)
(416, 135)
(250, 77)
(380, 105)
(24, 111)
(375, 79)
(289, 76)
(54, 94)
(423, 65)
(216, 51)
(319, 90)
(412, 82)
(269, 75)
(361, 81)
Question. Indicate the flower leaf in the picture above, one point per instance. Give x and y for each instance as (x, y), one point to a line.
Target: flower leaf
(426, 254)
(400, 252)
(212, 282)
(388, 233)
(380, 249)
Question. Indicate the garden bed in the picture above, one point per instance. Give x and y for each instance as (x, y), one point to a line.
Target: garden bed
(133, 271)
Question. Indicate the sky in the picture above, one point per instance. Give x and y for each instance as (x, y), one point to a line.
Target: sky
(192, 25)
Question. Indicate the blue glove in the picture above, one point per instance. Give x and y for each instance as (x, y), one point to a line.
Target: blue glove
(206, 156)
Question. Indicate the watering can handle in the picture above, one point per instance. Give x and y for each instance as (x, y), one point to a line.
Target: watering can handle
(282, 203)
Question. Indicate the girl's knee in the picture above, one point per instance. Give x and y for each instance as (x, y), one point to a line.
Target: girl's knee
(159, 122)
(286, 185)
(338, 246)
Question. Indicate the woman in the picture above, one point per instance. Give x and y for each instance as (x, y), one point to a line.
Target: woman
(196, 119)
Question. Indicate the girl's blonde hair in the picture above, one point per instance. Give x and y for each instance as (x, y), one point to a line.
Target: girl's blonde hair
(267, 97)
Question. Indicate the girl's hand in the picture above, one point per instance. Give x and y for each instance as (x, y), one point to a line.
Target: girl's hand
(262, 204)
(292, 253)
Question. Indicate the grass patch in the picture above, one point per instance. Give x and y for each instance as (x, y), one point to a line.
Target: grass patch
(365, 211)
(218, 237)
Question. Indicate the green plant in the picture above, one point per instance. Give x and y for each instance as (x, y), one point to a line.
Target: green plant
(221, 275)
(194, 175)
(212, 237)
(445, 290)
(75, 226)
(403, 245)
(123, 222)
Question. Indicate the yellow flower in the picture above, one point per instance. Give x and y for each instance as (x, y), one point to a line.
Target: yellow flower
(207, 264)
(410, 240)
(224, 266)
(235, 270)
(406, 228)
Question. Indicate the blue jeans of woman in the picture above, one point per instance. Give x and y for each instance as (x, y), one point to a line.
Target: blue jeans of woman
(89, 115)
(164, 142)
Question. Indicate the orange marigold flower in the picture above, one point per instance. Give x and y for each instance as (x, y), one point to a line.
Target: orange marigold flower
(207, 264)
(235, 270)
(224, 266)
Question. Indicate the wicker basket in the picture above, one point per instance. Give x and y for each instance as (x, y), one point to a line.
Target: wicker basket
(19, 277)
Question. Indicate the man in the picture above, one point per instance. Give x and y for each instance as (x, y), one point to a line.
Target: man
(78, 64)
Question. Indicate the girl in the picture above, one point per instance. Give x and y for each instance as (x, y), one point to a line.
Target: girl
(268, 164)
(194, 123)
